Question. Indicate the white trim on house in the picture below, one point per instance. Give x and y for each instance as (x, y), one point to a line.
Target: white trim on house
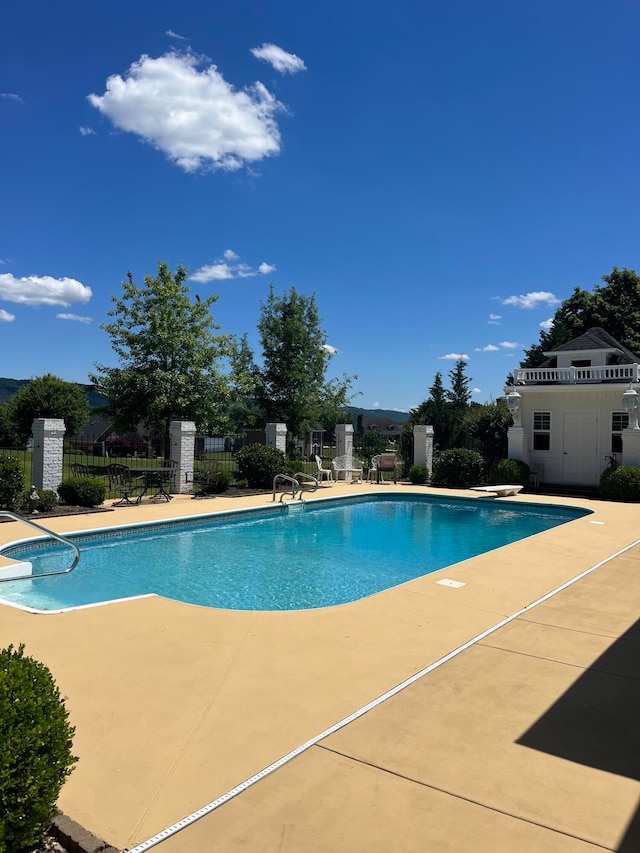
(580, 393)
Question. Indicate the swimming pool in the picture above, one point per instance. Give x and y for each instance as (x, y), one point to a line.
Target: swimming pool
(319, 554)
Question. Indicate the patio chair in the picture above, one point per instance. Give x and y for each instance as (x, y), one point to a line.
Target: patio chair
(324, 473)
(373, 470)
(349, 466)
(121, 482)
(79, 469)
(387, 462)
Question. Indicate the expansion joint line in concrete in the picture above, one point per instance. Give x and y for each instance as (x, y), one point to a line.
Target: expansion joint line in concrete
(457, 796)
(258, 777)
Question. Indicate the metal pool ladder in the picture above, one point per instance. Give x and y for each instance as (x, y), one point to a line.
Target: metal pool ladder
(297, 485)
(58, 536)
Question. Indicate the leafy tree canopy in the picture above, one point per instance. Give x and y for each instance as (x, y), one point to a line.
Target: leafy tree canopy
(615, 306)
(46, 397)
(169, 357)
(292, 386)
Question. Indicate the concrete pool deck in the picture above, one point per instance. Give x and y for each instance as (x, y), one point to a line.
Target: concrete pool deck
(526, 740)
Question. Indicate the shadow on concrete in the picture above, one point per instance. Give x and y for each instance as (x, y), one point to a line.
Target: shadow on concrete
(596, 722)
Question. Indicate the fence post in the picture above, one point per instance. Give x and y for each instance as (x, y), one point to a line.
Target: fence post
(276, 436)
(47, 456)
(344, 439)
(423, 446)
(182, 440)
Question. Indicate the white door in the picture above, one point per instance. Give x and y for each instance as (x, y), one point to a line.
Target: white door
(580, 448)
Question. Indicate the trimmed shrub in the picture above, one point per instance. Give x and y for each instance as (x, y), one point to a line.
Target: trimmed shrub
(620, 484)
(11, 483)
(509, 471)
(418, 475)
(458, 468)
(258, 465)
(35, 745)
(47, 500)
(219, 481)
(83, 491)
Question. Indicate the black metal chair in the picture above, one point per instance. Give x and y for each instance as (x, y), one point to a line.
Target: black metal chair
(79, 469)
(121, 482)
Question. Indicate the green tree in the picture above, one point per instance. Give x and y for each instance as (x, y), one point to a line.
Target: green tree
(292, 386)
(8, 435)
(244, 412)
(459, 395)
(615, 306)
(485, 428)
(434, 411)
(47, 397)
(170, 359)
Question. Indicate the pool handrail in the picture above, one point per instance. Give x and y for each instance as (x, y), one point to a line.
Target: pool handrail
(297, 484)
(63, 539)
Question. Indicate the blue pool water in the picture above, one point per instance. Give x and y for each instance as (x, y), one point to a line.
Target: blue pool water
(329, 553)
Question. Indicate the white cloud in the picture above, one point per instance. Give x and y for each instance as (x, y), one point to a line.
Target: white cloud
(173, 35)
(10, 96)
(221, 270)
(531, 300)
(509, 344)
(476, 391)
(5, 317)
(192, 115)
(329, 349)
(213, 272)
(75, 318)
(43, 290)
(87, 131)
(488, 348)
(547, 325)
(454, 356)
(494, 319)
(285, 63)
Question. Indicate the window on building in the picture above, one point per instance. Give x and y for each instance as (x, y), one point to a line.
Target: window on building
(541, 430)
(580, 362)
(619, 421)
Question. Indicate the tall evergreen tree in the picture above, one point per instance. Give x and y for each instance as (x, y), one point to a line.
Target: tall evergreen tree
(459, 396)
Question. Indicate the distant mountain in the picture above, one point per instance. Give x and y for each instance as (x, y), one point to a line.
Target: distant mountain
(379, 415)
(8, 388)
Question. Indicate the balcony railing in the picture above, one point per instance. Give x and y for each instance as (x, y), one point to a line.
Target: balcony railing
(575, 375)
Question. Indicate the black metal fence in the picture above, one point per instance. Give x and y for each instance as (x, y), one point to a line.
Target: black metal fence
(98, 451)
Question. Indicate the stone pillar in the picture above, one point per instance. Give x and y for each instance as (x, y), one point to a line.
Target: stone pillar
(344, 439)
(276, 436)
(423, 447)
(182, 442)
(631, 447)
(516, 443)
(48, 446)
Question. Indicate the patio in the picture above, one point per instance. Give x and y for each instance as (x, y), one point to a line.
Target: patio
(526, 740)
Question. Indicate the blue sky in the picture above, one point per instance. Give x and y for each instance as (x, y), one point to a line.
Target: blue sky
(440, 174)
